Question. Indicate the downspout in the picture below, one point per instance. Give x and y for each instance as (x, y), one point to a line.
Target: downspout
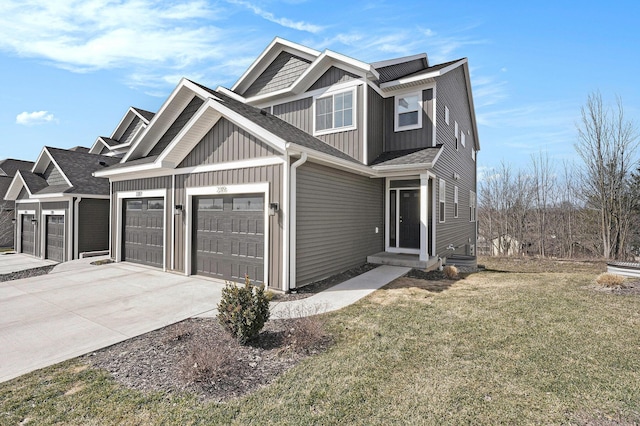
(74, 215)
(292, 219)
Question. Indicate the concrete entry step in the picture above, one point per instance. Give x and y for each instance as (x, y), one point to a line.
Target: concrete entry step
(402, 259)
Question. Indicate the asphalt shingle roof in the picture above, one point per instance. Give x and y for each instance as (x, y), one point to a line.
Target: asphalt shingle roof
(148, 115)
(9, 167)
(78, 167)
(33, 181)
(407, 157)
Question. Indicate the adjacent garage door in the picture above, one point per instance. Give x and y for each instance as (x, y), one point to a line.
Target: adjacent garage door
(28, 235)
(55, 238)
(228, 237)
(144, 231)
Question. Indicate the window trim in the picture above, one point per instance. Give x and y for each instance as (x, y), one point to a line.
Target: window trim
(442, 201)
(396, 125)
(455, 136)
(446, 115)
(473, 211)
(455, 201)
(463, 139)
(332, 94)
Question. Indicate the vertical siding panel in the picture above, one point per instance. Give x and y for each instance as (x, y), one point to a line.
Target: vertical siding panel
(409, 139)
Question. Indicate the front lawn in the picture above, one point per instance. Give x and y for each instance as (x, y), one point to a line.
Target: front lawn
(522, 347)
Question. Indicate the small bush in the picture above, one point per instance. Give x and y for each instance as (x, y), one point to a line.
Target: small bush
(607, 279)
(306, 335)
(243, 310)
(210, 361)
(450, 271)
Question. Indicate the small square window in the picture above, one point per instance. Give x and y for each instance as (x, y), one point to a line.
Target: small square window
(157, 204)
(248, 204)
(134, 204)
(408, 110)
(210, 204)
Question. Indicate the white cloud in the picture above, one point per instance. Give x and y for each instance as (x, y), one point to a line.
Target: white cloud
(285, 22)
(34, 118)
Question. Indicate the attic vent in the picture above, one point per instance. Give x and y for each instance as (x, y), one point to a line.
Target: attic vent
(263, 111)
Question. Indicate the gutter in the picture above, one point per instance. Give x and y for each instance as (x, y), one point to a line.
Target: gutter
(292, 220)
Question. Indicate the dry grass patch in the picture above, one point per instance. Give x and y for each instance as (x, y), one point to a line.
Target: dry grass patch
(610, 280)
(450, 272)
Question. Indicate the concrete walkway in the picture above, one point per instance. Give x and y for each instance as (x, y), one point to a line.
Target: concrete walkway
(334, 298)
(78, 308)
(14, 262)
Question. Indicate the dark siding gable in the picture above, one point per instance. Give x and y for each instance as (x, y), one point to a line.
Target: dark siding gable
(177, 125)
(53, 176)
(332, 76)
(280, 74)
(226, 142)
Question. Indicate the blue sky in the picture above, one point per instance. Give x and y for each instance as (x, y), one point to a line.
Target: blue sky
(70, 70)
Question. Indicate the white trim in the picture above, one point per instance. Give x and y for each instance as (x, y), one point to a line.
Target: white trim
(153, 193)
(424, 217)
(396, 113)
(293, 218)
(19, 231)
(434, 112)
(419, 77)
(172, 214)
(455, 135)
(396, 61)
(251, 188)
(332, 93)
(27, 212)
(35, 167)
(456, 205)
(43, 232)
(446, 115)
(286, 227)
(442, 198)
(365, 123)
(387, 207)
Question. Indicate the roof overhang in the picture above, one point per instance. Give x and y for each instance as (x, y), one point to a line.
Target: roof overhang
(420, 78)
(14, 188)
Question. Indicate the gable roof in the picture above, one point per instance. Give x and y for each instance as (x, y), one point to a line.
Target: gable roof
(123, 134)
(76, 167)
(408, 158)
(10, 166)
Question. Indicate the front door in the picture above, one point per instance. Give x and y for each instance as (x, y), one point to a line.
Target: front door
(409, 218)
(404, 217)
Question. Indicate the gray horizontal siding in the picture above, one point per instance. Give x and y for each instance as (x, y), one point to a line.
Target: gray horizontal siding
(337, 213)
(280, 74)
(226, 142)
(409, 139)
(271, 174)
(53, 176)
(300, 114)
(452, 93)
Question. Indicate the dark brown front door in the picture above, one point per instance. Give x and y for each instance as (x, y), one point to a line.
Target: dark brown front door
(28, 235)
(55, 238)
(409, 218)
(143, 240)
(228, 237)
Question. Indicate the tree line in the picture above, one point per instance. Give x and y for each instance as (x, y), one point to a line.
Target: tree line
(589, 208)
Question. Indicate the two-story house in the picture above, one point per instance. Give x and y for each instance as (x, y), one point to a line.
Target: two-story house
(311, 163)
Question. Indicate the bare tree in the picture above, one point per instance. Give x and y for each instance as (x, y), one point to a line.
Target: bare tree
(543, 181)
(606, 144)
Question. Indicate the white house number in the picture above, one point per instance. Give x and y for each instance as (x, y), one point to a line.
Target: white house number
(221, 190)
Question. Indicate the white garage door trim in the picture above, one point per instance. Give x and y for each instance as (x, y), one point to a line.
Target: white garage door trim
(19, 230)
(154, 193)
(43, 231)
(252, 188)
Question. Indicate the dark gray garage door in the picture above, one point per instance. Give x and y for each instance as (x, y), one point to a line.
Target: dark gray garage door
(228, 237)
(55, 238)
(27, 235)
(144, 231)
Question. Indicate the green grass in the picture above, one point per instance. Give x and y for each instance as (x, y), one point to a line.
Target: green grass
(516, 348)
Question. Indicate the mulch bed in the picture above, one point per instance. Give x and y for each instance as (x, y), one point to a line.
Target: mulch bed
(168, 359)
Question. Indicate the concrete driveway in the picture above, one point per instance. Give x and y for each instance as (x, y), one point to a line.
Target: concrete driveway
(78, 308)
(13, 262)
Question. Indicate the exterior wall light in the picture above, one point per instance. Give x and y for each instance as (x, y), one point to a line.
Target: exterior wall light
(178, 209)
(273, 208)
(34, 222)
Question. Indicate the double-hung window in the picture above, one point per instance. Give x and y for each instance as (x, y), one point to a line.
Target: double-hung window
(335, 112)
(455, 201)
(442, 195)
(408, 112)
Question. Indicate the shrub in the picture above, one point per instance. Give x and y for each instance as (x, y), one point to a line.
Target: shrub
(607, 279)
(306, 335)
(450, 271)
(243, 310)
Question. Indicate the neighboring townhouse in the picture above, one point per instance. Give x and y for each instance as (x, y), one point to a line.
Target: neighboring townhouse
(310, 164)
(134, 121)
(62, 210)
(8, 169)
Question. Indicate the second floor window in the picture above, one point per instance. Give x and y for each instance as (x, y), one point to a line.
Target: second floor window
(334, 112)
(407, 112)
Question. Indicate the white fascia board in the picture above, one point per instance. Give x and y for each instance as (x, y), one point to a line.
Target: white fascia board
(267, 56)
(126, 170)
(404, 167)
(144, 120)
(396, 61)
(471, 106)
(231, 94)
(41, 164)
(328, 159)
(390, 85)
(14, 188)
(123, 124)
(138, 145)
(98, 143)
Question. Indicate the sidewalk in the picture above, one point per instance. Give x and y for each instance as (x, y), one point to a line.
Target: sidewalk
(334, 298)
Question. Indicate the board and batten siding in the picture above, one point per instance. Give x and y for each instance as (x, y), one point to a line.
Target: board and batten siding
(337, 216)
(300, 114)
(93, 225)
(272, 174)
(409, 139)
(375, 124)
(161, 182)
(332, 76)
(280, 74)
(226, 142)
(457, 231)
